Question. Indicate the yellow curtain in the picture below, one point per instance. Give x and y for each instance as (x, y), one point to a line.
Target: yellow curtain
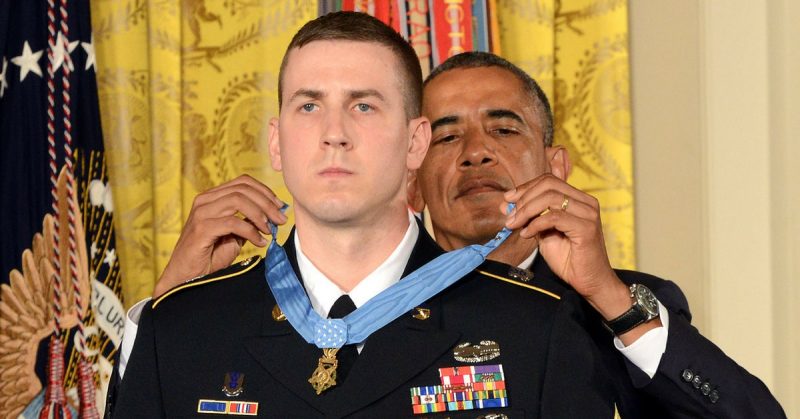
(186, 89)
(578, 51)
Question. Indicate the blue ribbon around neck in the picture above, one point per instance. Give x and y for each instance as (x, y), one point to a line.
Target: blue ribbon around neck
(379, 311)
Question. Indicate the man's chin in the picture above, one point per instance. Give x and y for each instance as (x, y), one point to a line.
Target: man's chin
(486, 229)
(479, 223)
(332, 211)
(482, 208)
(481, 197)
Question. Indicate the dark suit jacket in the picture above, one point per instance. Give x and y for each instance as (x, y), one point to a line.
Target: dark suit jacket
(197, 334)
(668, 394)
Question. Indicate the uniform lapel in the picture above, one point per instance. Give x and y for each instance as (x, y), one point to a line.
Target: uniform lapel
(393, 356)
(400, 351)
(288, 358)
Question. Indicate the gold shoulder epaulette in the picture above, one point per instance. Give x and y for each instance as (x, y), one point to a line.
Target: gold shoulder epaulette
(234, 270)
(520, 281)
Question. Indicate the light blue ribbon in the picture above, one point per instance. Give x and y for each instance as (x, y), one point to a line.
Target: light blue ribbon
(379, 311)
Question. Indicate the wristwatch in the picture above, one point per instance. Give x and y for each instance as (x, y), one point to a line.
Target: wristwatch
(644, 309)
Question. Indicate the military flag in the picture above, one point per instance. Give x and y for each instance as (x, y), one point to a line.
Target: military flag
(61, 318)
(437, 29)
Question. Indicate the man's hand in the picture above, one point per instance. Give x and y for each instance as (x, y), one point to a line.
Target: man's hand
(220, 221)
(566, 223)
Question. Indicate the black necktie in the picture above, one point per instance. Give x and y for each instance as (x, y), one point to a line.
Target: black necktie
(348, 353)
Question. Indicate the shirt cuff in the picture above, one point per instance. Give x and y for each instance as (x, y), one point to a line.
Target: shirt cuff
(129, 335)
(646, 351)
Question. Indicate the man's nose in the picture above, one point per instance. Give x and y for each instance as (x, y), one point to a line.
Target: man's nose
(478, 150)
(334, 134)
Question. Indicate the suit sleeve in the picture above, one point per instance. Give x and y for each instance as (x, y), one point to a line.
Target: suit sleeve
(139, 394)
(693, 371)
(576, 384)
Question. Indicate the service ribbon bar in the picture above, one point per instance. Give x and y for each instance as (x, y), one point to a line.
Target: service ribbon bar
(463, 388)
(225, 407)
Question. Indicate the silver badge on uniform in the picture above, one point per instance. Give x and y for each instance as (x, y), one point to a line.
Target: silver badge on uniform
(481, 352)
(520, 274)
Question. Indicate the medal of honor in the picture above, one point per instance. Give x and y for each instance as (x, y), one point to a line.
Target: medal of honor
(391, 303)
(324, 377)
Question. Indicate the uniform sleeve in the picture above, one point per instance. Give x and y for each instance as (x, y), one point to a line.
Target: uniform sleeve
(139, 394)
(129, 337)
(697, 378)
(576, 383)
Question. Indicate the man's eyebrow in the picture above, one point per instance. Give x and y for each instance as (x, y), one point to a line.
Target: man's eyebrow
(445, 120)
(504, 113)
(359, 94)
(307, 93)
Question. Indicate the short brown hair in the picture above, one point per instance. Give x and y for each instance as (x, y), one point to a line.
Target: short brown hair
(356, 26)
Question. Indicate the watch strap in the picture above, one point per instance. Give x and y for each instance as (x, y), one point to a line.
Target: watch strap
(638, 313)
(626, 321)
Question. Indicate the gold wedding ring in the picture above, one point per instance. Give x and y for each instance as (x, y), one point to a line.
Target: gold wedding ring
(564, 205)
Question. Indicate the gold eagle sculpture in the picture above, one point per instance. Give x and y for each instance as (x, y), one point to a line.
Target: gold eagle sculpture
(26, 305)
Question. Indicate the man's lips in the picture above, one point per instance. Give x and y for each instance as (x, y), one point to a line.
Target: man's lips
(478, 185)
(334, 172)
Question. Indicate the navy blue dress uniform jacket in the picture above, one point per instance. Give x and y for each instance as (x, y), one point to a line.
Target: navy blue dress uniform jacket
(695, 379)
(197, 334)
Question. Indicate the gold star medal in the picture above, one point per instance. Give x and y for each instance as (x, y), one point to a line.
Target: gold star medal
(324, 377)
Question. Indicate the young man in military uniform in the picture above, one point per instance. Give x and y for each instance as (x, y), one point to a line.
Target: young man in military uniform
(238, 340)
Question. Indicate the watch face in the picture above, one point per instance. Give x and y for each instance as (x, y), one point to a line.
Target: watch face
(646, 300)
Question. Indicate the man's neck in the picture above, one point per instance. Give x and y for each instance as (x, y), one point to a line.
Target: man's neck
(347, 253)
(513, 251)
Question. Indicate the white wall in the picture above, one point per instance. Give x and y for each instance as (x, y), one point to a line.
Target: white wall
(716, 101)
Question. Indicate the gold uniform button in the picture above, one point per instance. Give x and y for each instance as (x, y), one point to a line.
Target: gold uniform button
(277, 314)
(421, 313)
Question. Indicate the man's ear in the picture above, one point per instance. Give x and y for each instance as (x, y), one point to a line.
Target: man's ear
(558, 160)
(274, 145)
(415, 199)
(420, 130)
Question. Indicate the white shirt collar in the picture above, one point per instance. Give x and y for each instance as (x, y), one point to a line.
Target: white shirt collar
(323, 292)
(528, 262)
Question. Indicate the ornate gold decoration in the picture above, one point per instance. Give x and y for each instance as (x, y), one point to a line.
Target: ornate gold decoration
(185, 108)
(26, 313)
(324, 376)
